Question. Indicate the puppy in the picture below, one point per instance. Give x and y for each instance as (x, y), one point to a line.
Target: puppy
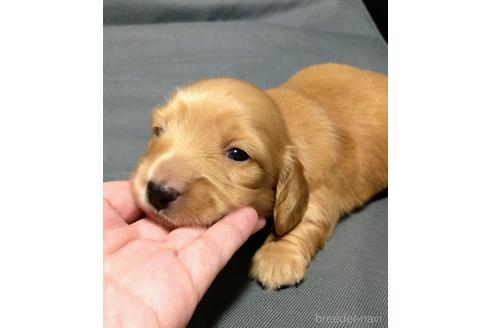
(306, 152)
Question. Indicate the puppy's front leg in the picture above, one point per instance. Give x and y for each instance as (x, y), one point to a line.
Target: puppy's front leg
(282, 260)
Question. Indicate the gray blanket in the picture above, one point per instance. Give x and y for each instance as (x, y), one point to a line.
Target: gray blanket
(153, 46)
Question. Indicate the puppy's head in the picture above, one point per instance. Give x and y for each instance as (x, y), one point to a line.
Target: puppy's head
(218, 145)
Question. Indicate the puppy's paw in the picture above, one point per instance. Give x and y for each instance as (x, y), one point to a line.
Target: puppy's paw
(278, 264)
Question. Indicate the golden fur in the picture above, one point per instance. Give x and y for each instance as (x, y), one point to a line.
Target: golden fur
(318, 148)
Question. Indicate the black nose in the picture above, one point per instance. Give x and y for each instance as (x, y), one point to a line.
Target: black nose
(160, 195)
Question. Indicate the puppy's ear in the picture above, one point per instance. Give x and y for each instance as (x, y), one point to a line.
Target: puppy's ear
(292, 194)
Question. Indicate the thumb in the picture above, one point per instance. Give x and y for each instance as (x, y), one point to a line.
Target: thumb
(205, 256)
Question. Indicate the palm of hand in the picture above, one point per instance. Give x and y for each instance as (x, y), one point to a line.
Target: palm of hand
(154, 277)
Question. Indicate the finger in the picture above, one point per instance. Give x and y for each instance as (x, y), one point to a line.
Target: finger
(117, 237)
(111, 217)
(206, 255)
(180, 237)
(149, 229)
(260, 224)
(119, 203)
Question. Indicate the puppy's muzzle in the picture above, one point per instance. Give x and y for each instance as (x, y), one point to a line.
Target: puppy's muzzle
(160, 195)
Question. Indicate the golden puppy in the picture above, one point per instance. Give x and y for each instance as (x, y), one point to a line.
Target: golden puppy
(307, 152)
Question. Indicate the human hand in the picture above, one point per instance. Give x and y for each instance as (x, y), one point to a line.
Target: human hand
(154, 277)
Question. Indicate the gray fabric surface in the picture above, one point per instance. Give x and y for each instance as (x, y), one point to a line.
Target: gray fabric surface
(348, 277)
(151, 47)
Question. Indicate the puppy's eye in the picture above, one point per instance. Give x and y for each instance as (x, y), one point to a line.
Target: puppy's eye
(237, 154)
(157, 130)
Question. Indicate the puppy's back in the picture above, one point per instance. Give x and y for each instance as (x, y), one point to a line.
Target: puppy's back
(347, 93)
(355, 103)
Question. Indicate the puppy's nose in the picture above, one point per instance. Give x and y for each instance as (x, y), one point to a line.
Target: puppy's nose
(161, 195)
